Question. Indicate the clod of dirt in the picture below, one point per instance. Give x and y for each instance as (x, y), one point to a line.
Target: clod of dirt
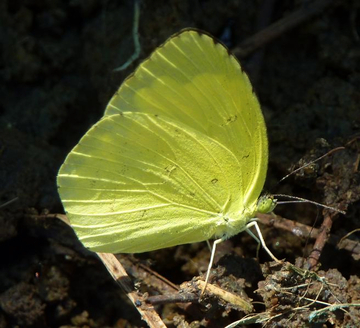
(23, 304)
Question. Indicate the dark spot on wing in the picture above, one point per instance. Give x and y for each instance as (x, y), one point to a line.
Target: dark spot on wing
(229, 120)
(232, 119)
(170, 169)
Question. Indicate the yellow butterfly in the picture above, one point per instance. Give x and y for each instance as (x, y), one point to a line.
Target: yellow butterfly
(179, 157)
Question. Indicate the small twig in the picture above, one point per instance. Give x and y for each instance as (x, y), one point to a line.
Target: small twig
(278, 28)
(169, 292)
(315, 314)
(173, 298)
(9, 202)
(262, 317)
(253, 66)
(357, 161)
(119, 274)
(296, 228)
(159, 277)
(322, 238)
(135, 31)
(228, 297)
(305, 231)
(343, 239)
(150, 277)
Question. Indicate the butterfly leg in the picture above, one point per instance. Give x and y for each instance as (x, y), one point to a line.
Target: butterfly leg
(209, 245)
(213, 249)
(257, 240)
(262, 241)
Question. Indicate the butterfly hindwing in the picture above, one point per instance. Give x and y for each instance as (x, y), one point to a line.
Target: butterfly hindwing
(138, 182)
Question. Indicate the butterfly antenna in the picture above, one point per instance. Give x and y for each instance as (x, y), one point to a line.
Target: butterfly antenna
(304, 200)
(314, 161)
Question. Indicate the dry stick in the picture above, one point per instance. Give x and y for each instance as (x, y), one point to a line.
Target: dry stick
(253, 66)
(347, 235)
(9, 202)
(171, 287)
(324, 233)
(305, 231)
(137, 45)
(190, 293)
(139, 271)
(278, 28)
(296, 228)
(119, 274)
(173, 298)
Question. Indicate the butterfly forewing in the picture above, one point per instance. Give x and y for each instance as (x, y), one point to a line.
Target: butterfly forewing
(194, 79)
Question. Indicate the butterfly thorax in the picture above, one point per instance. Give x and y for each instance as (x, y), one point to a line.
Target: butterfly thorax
(231, 224)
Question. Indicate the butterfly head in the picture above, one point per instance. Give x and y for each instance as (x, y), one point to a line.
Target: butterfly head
(266, 204)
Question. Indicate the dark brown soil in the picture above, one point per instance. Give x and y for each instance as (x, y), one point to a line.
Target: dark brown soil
(56, 70)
